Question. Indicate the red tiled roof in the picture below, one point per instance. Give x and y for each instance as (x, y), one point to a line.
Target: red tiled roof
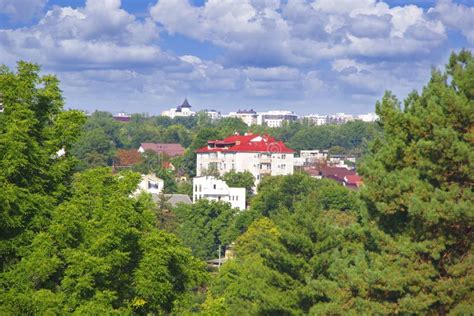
(168, 149)
(353, 179)
(246, 143)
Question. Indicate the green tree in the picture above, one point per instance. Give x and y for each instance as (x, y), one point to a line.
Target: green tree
(240, 180)
(101, 254)
(203, 226)
(419, 194)
(33, 177)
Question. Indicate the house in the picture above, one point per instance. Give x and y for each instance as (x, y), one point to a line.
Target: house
(213, 189)
(184, 110)
(353, 181)
(170, 150)
(150, 183)
(212, 114)
(335, 173)
(261, 155)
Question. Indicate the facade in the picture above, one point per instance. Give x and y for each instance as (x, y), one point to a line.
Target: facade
(248, 116)
(170, 150)
(314, 155)
(150, 184)
(261, 155)
(184, 110)
(369, 117)
(275, 118)
(317, 119)
(213, 114)
(213, 189)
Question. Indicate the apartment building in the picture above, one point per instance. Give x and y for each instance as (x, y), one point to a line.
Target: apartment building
(248, 116)
(261, 155)
(275, 118)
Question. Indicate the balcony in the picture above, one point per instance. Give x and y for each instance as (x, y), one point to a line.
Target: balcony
(265, 171)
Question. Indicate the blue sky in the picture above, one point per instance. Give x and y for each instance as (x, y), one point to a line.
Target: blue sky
(308, 56)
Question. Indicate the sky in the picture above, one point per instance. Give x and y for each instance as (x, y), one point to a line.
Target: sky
(306, 56)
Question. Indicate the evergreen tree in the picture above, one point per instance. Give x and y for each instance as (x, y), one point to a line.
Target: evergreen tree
(34, 176)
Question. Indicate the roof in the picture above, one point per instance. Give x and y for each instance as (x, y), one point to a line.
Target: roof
(168, 149)
(185, 104)
(173, 199)
(246, 143)
(353, 179)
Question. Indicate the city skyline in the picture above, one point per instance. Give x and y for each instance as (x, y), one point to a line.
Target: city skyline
(303, 56)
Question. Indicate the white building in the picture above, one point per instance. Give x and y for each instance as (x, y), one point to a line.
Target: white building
(150, 184)
(184, 110)
(314, 155)
(213, 114)
(275, 118)
(213, 189)
(248, 116)
(260, 155)
(369, 117)
(339, 118)
(317, 119)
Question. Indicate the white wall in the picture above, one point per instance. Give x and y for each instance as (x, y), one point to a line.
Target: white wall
(213, 189)
(150, 184)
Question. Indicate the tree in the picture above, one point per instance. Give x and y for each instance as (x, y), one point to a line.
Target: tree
(101, 254)
(240, 180)
(203, 225)
(33, 177)
(419, 194)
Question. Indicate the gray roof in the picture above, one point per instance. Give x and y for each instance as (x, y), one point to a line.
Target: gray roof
(174, 199)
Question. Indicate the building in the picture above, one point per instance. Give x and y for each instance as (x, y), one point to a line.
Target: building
(317, 119)
(122, 117)
(248, 116)
(150, 184)
(184, 110)
(315, 155)
(353, 181)
(261, 155)
(369, 117)
(212, 114)
(275, 118)
(213, 189)
(170, 150)
(339, 118)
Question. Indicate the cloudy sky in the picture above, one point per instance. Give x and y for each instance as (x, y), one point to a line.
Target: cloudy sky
(309, 56)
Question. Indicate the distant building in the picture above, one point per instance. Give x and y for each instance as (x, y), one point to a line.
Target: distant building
(184, 110)
(317, 119)
(339, 118)
(261, 155)
(369, 117)
(122, 117)
(213, 114)
(275, 118)
(353, 181)
(315, 155)
(213, 189)
(150, 184)
(248, 116)
(160, 148)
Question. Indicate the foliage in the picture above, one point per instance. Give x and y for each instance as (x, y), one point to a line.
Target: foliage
(202, 226)
(101, 254)
(33, 177)
(240, 180)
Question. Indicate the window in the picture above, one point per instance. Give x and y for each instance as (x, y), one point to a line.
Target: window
(236, 197)
(283, 156)
(200, 188)
(214, 186)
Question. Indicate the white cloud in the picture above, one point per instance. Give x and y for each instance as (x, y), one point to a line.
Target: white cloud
(456, 16)
(22, 10)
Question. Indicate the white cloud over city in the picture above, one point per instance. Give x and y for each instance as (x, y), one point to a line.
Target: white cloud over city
(308, 56)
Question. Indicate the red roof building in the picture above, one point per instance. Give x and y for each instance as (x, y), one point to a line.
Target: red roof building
(246, 143)
(261, 155)
(167, 149)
